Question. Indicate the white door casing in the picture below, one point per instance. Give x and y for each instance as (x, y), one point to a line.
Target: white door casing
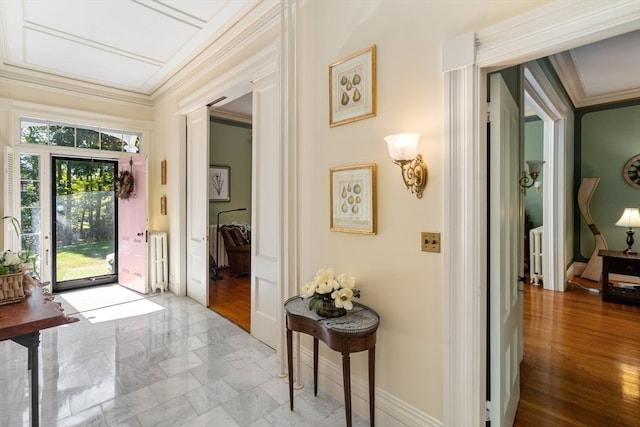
(266, 227)
(197, 254)
(550, 29)
(552, 110)
(132, 227)
(505, 249)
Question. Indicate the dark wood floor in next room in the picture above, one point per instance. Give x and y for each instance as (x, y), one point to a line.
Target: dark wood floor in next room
(231, 297)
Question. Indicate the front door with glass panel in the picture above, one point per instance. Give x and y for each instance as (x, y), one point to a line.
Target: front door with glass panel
(84, 222)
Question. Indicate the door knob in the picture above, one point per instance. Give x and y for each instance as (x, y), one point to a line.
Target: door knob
(140, 234)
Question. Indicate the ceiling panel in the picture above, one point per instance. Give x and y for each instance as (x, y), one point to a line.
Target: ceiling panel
(124, 26)
(135, 45)
(84, 62)
(607, 71)
(618, 56)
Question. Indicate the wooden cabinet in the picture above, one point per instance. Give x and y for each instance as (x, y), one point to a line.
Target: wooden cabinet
(615, 262)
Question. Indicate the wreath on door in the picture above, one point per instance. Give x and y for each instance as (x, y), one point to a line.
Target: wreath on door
(124, 185)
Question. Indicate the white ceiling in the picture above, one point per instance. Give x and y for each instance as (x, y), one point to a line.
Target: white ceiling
(602, 72)
(133, 45)
(138, 45)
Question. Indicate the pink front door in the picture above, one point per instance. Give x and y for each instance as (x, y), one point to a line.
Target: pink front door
(132, 226)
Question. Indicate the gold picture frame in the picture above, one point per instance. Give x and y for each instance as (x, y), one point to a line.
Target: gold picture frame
(163, 205)
(353, 198)
(352, 87)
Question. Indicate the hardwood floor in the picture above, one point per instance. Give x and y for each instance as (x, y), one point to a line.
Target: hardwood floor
(581, 362)
(231, 297)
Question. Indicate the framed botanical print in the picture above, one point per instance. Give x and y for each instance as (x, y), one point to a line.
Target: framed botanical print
(219, 183)
(353, 198)
(352, 87)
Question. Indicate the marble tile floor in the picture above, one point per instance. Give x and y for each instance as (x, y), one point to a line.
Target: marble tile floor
(180, 365)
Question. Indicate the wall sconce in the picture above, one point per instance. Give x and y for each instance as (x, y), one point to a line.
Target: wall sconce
(402, 149)
(534, 171)
(630, 218)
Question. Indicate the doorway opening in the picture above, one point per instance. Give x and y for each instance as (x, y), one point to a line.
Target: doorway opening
(84, 225)
(230, 197)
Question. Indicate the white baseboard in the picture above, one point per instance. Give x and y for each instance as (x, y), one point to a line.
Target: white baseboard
(575, 269)
(390, 411)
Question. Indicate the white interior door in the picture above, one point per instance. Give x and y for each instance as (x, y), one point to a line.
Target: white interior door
(266, 201)
(198, 205)
(132, 227)
(505, 254)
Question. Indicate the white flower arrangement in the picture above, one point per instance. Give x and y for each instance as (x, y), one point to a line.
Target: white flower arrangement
(326, 286)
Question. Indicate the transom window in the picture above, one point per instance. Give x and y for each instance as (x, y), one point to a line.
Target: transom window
(57, 134)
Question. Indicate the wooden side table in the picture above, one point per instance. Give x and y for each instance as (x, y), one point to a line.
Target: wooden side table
(22, 322)
(353, 332)
(615, 262)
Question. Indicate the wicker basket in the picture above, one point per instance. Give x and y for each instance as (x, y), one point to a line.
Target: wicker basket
(11, 288)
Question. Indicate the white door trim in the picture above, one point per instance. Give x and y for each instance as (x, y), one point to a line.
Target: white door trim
(550, 29)
(236, 81)
(553, 110)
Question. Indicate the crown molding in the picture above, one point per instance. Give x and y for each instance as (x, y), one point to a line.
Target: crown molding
(37, 79)
(523, 39)
(254, 25)
(234, 117)
(567, 71)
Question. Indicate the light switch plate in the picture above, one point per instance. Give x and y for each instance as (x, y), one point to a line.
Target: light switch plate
(430, 242)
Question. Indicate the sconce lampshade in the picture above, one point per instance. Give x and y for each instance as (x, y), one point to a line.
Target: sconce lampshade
(535, 165)
(630, 218)
(402, 146)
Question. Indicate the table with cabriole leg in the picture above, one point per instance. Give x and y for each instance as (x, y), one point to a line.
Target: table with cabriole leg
(353, 332)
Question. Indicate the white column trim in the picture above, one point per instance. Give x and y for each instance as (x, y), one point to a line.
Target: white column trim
(464, 228)
(552, 109)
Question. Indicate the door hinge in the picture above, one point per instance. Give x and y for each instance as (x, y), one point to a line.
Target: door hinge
(488, 112)
(488, 411)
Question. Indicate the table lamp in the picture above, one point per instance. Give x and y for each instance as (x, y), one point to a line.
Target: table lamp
(630, 218)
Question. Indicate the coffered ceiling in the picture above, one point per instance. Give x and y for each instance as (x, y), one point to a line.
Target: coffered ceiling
(133, 45)
(138, 45)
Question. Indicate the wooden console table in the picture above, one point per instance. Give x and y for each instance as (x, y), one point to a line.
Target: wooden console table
(615, 262)
(353, 332)
(22, 322)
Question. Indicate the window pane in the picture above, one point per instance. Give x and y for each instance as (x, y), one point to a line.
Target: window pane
(88, 138)
(34, 131)
(111, 140)
(62, 134)
(29, 167)
(30, 207)
(59, 134)
(132, 142)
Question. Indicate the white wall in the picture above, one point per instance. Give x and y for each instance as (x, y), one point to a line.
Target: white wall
(404, 285)
(401, 283)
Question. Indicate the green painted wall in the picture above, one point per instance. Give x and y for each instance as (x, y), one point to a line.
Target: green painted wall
(230, 145)
(609, 138)
(534, 150)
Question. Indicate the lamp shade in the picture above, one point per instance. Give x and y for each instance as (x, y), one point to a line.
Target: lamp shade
(402, 146)
(630, 218)
(535, 165)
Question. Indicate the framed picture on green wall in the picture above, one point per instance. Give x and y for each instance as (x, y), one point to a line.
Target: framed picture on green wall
(219, 183)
